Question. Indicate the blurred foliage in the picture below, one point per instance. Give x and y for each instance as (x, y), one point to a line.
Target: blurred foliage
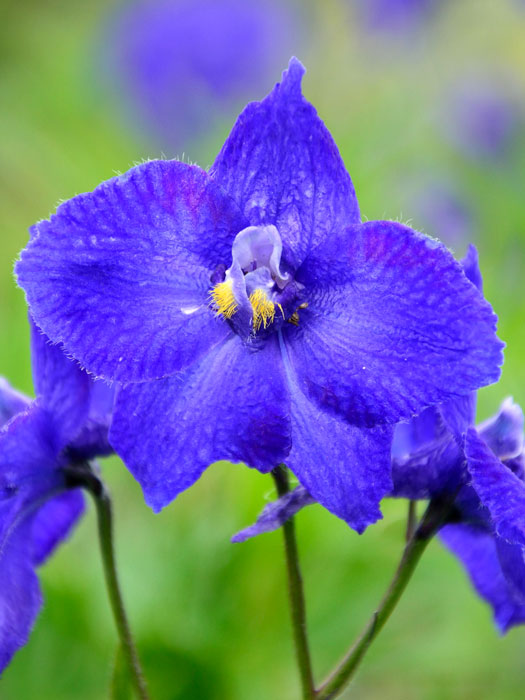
(211, 618)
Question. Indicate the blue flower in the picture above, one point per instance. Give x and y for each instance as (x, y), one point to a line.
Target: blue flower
(184, 64)
(66, 423)
(251, 316)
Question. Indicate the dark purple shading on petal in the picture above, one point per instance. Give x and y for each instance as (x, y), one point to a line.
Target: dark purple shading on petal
(232, 405)
(392, 326)
(276, 513)
(476, 549)
(11, 402)
(282, 167)
(346, 469)
(503, 433)
(121, 275)
(498, 488)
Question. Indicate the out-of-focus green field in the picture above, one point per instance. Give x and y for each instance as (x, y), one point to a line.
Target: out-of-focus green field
(210, 617)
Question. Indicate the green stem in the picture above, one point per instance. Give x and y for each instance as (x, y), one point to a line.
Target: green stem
(432, 520)
(295, 591)
(411, 520)
(84, 476)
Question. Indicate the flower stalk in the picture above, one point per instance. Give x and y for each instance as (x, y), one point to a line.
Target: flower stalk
(434, 517)
(85, 477)
(296, 592)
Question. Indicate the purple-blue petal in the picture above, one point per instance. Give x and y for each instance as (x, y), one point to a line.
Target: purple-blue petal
(121, 275)
(54, 522)
(470, 265)
(512, 560)
(11, 402)
(61, 387)
(433, 468)
(20, 598)
(392, 325)
(92, 441)
(29, 450)
(232, 405)
(282, 167)
(31, 525)
(276, 513)
(345, 468)
(503, 433)
(498, 488)
(410, 436)
(476, 549)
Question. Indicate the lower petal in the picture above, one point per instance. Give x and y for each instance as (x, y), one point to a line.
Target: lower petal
(346, 469)
(233, 405)
(476, 549)
(20, 598)
(498, 488)
(53, 523)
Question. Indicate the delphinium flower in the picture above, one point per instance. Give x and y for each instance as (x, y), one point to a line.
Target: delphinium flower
(65, 425)
(184, 64)
(251, 316)
(440, 453)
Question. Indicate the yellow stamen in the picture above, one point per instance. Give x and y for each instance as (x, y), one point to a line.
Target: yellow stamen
(224, 299)
(263, 309)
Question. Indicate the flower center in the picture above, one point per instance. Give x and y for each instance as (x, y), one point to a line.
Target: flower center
(254, 290)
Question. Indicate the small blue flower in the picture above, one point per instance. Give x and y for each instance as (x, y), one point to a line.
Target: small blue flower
(251, 316)
(184, 64)
(66, 423)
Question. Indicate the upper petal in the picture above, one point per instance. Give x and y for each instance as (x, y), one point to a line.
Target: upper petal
(232, 405)
(392, 325)
(498, 488)
(282, 167)
(121, 275)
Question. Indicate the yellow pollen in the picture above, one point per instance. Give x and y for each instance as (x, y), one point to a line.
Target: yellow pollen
(263, 309)
(224, 299)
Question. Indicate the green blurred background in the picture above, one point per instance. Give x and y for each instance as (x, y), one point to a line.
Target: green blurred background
(210, 617)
